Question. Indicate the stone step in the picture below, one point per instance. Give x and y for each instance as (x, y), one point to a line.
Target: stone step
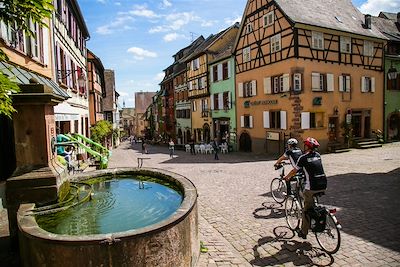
(341, 150)
(367, 142)
(370, 146)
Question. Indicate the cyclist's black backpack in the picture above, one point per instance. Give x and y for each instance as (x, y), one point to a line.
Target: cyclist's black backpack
(318, 217)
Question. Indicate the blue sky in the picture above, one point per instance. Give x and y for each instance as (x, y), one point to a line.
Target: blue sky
(138, 38)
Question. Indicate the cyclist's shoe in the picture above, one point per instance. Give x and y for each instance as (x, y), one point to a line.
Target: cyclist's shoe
(300, 233)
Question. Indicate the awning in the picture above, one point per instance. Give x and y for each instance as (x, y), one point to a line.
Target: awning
(22, 76)
(66, 112)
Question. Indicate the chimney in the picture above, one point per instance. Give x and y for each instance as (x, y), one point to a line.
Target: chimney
(367, 21)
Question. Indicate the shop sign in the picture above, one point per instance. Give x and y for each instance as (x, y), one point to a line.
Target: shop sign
(273, 136)
(247, 104)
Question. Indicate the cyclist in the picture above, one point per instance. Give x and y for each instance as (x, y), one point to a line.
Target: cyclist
(292, 154)
(316, 181)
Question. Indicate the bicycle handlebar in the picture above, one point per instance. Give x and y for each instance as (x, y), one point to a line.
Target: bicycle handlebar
(280, 165)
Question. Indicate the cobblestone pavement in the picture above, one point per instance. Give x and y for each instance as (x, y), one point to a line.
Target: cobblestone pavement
(241, 225)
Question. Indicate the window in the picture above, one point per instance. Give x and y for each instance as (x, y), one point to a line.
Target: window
(345, 83)
(367, 84)
(345, 44)
(225, 71)
(196, 64)
(312, 120)
(269, 19)
(275, 119)
(246, 54)
(16, 38)
(322, 82)
(276, 43)
(317, 40)
(200, 82)
(368, 49)
(215, 73)
(249, 89)
(249, 28)
(216, 102)
(246, 121)
(297, 82)
(279, 84)
(226, 100)
(318, 82)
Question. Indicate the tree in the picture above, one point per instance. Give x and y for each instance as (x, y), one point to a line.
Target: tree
(19, 13)
(100, 131)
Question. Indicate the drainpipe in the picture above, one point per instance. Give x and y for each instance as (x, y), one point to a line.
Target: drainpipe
(384, 129)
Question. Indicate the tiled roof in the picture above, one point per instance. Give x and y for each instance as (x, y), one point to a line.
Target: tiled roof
(388, 15)
(387, 27)
(333, 14)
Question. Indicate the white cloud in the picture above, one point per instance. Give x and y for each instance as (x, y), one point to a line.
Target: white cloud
(140, 53)
(101, 1)
(118, 24)
(159, 77)
(208, 23)
(166, 3)
(117, 3)
(172, 37)
(231, 21)
(373, 7)
(142, 11)
(123, 93)
(175, 22)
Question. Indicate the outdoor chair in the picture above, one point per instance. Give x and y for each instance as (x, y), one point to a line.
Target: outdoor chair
(203, 149)
(224, 148)
(197, 148)
(187, 148)
(209, 149)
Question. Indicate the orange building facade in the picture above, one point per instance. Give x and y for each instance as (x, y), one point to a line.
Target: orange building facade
(305, 72)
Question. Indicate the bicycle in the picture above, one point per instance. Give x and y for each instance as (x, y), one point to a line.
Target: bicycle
(278, 185)
(326, 229)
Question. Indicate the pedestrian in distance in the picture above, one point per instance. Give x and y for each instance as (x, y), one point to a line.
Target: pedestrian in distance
(191, 143)
(171, 147)
(316, 181)
(215, 147)
(144, 147)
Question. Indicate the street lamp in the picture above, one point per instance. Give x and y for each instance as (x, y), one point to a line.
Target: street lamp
(392, 73)
(81, 76)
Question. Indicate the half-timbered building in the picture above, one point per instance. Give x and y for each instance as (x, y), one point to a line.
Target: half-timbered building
(199, 93)
(306, 68)
(182, 102)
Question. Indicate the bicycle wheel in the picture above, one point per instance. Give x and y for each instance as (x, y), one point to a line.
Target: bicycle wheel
(292, 212)
(329, 239)
(278, 190)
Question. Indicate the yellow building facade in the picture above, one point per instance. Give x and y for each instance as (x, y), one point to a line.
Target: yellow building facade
(305, 72)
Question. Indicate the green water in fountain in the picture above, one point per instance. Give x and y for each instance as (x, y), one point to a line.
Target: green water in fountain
(117, 205)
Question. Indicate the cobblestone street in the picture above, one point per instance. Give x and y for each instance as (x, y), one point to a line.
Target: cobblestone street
(241, 225)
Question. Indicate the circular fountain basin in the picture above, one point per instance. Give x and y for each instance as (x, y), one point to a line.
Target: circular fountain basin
(168, 236)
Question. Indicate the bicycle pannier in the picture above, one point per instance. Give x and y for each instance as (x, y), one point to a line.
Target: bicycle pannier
(318, 216)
